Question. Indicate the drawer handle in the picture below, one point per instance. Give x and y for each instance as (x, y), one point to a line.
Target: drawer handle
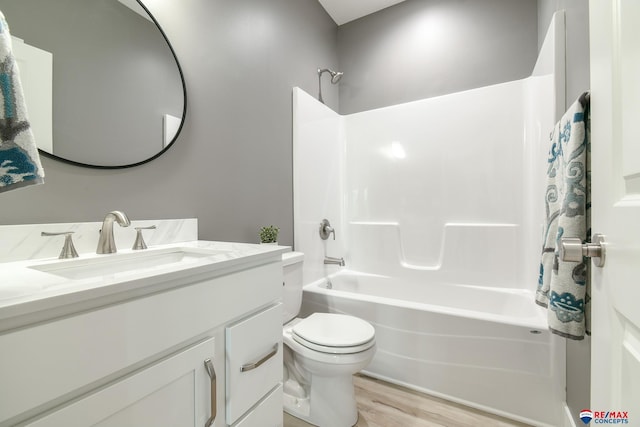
(254, 365)
(214, 408)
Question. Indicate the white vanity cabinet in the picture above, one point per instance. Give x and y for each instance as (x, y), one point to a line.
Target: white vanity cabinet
(140, 360)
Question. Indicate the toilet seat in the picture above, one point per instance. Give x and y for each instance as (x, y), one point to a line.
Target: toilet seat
(334, 333)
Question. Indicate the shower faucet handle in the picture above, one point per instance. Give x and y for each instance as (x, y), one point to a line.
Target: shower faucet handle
(326, 230)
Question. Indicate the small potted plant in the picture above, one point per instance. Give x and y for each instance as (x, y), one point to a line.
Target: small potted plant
(269, 234)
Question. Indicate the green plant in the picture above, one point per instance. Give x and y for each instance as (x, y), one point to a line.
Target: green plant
(269, 234)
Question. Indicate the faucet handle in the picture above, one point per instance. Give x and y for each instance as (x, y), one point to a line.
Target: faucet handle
(68, 250)
(326, 230)
(139, 243)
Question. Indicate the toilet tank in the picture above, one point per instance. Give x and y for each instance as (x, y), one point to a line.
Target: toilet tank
(292, 286)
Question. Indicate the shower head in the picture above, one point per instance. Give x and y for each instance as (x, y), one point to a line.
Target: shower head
(335, 78)
(335, 75)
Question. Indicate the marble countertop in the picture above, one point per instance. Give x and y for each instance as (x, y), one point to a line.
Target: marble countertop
(28, 294)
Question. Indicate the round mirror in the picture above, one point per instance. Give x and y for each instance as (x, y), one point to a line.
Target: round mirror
(102, 84)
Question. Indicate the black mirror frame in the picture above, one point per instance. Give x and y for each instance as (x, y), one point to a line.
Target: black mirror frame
(175, 137)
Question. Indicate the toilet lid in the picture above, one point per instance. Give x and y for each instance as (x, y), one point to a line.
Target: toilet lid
(334, 330)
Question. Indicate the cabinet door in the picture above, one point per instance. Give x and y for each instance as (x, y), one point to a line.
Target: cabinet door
(172, 392)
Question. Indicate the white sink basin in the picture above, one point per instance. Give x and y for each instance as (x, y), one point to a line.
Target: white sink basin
(125, 263)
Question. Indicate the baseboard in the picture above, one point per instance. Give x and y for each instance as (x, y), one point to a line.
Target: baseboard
(568, 417)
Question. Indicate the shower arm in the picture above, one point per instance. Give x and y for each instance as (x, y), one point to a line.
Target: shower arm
(320, 72)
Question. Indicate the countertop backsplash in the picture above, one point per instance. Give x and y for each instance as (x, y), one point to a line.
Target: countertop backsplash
(22, 242)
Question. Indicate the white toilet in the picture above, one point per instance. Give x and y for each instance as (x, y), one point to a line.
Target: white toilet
(321, 354)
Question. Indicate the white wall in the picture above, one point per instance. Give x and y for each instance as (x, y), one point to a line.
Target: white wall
(441, 189)
(432, 189)
(318, 172)
(450, 210)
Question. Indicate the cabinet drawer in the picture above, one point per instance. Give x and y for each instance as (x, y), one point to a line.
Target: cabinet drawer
(254, 360)
(267, 413)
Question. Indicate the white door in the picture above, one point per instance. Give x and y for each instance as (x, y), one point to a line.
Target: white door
(615, 145)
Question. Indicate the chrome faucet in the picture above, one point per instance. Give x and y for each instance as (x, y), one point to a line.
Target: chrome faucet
(107, 244)
(332, 260)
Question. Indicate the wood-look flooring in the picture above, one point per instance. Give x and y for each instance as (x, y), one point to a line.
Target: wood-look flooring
(381, 404)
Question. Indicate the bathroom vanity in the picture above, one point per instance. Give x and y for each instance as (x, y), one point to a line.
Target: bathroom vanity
(170, 336)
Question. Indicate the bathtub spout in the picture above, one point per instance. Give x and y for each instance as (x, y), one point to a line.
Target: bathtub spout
(332, 260)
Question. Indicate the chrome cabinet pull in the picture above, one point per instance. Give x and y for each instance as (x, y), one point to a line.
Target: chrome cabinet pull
(254, 365)
(214, 407)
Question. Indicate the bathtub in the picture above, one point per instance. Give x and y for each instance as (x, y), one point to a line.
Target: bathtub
(488, 348)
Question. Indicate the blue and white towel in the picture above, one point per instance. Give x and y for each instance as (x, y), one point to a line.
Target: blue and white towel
(563, 286)
(19, 160)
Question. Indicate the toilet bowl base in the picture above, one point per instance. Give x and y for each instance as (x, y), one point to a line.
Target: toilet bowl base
(331, 402)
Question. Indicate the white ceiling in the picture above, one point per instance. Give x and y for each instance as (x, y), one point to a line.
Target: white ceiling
(343, 11)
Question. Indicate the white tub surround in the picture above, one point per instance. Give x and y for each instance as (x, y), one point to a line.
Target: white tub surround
(437, 204)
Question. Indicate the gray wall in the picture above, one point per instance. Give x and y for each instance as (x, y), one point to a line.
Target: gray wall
(232, 165)
(577, 68)
(424, 48)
